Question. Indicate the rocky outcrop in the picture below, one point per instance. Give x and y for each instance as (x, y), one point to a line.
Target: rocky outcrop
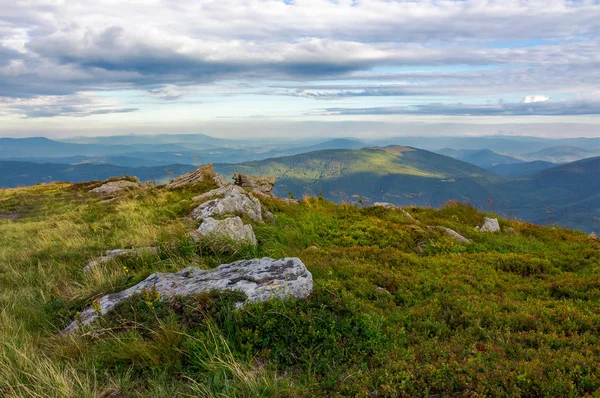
(221, 181)
(259, 279)
(110, 255)
(259, 185)
(489, 225)
(459, 238)
(113, 187)
(234, 200)
(593, 235)
(202, 174)
(232, 229)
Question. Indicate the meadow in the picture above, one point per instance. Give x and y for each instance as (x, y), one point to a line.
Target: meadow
(398, 309)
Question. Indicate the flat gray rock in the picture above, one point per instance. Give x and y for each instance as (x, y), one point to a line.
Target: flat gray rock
(489, 225)
(456, 235)
(260, 279)
(230, 228)
(113, 187)
(112, 254)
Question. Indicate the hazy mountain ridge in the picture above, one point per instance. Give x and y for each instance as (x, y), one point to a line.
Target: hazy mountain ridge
(401, 175)
(163, 149)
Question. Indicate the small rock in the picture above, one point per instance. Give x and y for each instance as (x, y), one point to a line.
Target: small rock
(593, 235)
(408, 215)
(260, 185)
(113, 187)
(313, 248)
(112, 254)
(260, 279)
(230, 228)
(201, 174)
(379, 288)
(385, 205)
(489, 225)
(456, 235)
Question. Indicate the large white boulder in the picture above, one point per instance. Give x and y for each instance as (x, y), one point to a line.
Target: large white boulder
(489, 225)
(260, 279)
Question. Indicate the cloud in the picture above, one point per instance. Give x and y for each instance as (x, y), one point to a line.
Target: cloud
(78, 105)
(163, 47)
(535, 98)
(572, 107)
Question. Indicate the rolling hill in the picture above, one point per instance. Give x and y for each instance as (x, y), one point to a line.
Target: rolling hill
(396, 174)
(567, 195)
(14, 174)
(484, 158)
(562, 154)
(516, 170)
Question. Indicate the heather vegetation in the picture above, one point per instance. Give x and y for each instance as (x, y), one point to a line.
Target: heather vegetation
(399, 308)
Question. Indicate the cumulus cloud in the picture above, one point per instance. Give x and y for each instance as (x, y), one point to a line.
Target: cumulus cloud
(535, 98)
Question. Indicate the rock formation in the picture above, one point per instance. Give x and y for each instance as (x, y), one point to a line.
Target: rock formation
(112, 187)
(234, 200)
(489, 225)
(260, 185)
(202, 174)
(112, 254)
(230, 228)
(259, 279)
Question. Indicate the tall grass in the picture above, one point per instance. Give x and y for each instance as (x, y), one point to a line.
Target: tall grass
(398, 309)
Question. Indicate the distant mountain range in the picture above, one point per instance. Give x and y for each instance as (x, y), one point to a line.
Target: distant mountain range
(566, 194)
(518, 175)
(194, 149)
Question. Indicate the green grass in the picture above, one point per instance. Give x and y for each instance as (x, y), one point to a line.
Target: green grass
(398, 309)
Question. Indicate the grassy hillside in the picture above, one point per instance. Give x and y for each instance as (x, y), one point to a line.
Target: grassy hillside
(566, 195)
(399, 309)
(517, 170)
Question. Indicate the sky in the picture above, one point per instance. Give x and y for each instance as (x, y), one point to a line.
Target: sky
(277, 68)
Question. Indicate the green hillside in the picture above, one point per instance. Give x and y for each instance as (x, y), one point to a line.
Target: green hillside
(396, 174)
(399, 308)
(566, 195)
